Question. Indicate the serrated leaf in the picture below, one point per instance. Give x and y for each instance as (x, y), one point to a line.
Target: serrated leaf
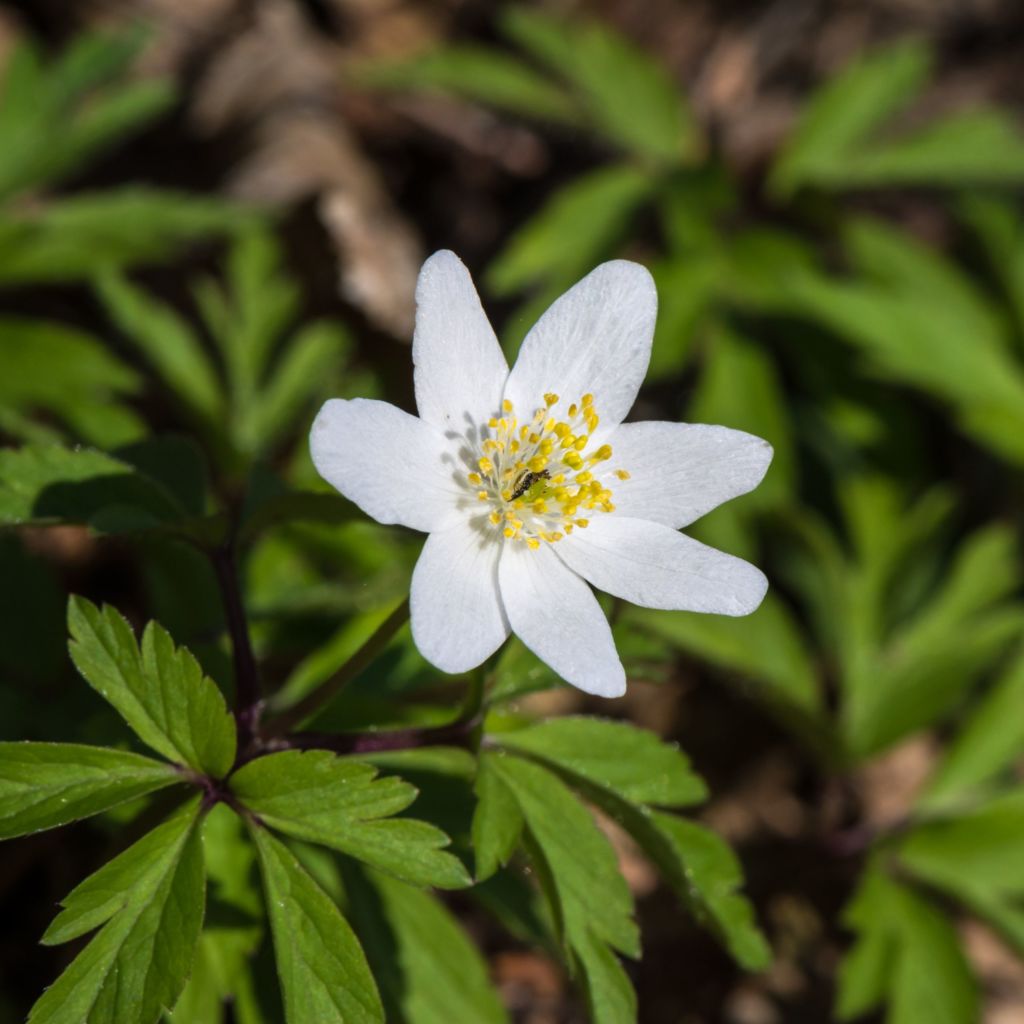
(610, 994)
(50, 484)
(138, 963)
(497, 821)
(572, 231)
(160, 690)
(428, 968)
(631, 762)
(317, 796)
(324, 974)
(43, 785)
(233, 929)
(592, 895)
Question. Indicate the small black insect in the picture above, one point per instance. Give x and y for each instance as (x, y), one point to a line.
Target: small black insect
(527, 481)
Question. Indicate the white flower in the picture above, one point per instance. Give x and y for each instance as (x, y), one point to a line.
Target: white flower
(530, 485)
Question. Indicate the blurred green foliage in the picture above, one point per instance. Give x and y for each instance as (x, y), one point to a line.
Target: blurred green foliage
(886, 371)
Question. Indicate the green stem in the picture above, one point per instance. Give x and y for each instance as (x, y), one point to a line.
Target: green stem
(287, 721)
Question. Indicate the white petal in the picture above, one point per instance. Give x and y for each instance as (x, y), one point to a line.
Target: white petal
(653, 566)
(457, 617)
(557, 616)
(460, 370)
(679, 471)
(595, 339)
(395, 467)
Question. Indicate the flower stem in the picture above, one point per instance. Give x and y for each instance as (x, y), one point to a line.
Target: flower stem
(247, 686)
(328, 690)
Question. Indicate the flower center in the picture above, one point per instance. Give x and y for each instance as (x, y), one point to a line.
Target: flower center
(538, 475)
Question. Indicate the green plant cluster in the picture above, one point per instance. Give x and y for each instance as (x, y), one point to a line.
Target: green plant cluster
(308, 780)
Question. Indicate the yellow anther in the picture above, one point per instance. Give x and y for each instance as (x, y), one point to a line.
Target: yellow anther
(592, 421)
(540, 506)
(572, 411)
(608, 507)
(622, 474)
(580, 443)
(582, 523)
(568, 440)
(481, 495)
(572, 459)
(507, 406)
(568, 527)
(587, 400)
(532, 543)
(584, 478)
(485, 464)
(537, 464)
(561, 429)
(475, 479)
(509, 532)
(514, 447)
(558, 478)
(546, 446)
(492, 423)
(549, 425)
(551, 399)
(495, 518)
(603, 453)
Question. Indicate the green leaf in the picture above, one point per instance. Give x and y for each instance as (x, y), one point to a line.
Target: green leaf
(908, 954)
(233, 929)
(49, 367)
(479, 74)
(323, 971)
(160, 691)
(982, 147)
(428, 969)
(978, 858)
(846, 110)
(740, 387)
(316, 796)
(572, 232)
(767, 647)
(298, 377)
(988, 742)
(610, 993)
(497, 821)
(43, 785)
(167, 343)
(71, 239)
(78, 104)
(911, 329)
(151, 898)
(297, 506)
(705, 874)
(45, 484)
(632, 100)
(997, 225)
(590, 893)
(686, 288)
(617, 756)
